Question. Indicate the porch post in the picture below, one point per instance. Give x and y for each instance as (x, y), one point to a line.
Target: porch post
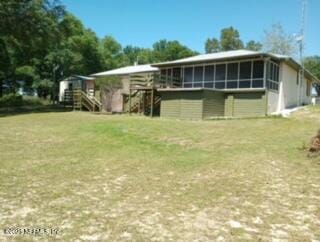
(129, 100)
(152, 100)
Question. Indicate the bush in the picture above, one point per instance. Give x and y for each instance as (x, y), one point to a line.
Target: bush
(15, 100)
(11, 100)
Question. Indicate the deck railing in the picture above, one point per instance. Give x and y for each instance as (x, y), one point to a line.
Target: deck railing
(164, 81)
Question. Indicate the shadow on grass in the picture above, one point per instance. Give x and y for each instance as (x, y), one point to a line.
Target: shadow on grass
(12, 111)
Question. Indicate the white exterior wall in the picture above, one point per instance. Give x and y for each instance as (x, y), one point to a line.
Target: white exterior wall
(304, 98)
(289, 90)
(290, 87)
(272, 97)
(62, 87)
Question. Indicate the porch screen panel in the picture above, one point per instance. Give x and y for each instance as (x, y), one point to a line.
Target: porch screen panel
(176, 76)
(232, 75)
(198, 76)
(220, 78)
(245, 74)
(209, 76)
(188, 76)
(257, 74)
(272, 76)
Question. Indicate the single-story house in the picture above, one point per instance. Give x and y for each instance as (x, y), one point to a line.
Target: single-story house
(118, 101)
(238, 83)
(74, 82)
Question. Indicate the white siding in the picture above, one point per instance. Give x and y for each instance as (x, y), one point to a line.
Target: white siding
(63, 86)
(272, 101)
(288, 96)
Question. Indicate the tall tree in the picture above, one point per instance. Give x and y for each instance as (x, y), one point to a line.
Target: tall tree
(212, 45)
(28, 32)
(277, 41)
(112, 54)
(171, 50)
(253, 45)
(230, 39)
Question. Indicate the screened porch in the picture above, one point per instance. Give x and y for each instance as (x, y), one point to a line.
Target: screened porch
(244, 74)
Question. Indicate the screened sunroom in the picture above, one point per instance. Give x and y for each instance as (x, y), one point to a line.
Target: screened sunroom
(244, 74)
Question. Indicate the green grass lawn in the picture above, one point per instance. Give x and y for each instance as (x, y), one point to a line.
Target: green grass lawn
(111, 178)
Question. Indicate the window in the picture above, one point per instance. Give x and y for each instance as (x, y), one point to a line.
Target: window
(220, 76)
(232, 75)
(272, 76)
(232, 71)
(169, 71)
(176, 72)
(188, 76)
(198, 76)
(220, 72)
(220, 85)
(209, 76)
(244, 84)
(257, 83)
(245, 70)
(258, 67)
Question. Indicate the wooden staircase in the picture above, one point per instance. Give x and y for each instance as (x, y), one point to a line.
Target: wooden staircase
(82, 101)
(143, 97)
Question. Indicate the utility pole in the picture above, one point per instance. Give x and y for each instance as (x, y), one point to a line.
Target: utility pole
(301, 40)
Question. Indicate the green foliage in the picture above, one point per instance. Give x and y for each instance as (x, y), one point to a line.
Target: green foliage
(212, 45)
(44, 87)
(253, 45)
(230, 39)
(171, 50)
(11, 100)
(111, 51)
(312, 63)
(277, 41)
(109, 82)
(41, 43)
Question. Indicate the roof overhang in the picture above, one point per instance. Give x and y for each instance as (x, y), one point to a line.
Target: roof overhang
(128, 70)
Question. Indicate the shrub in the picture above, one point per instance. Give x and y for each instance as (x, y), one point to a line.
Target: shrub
(11, 100)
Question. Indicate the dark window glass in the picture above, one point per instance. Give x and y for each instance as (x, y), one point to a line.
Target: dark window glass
(198, 74)
(208, 85)
(220, 85)
(232, 84)
(257, 83)
(232, 71)
(220, 72)
(188, 85)
(244, 84)
(277, 74)
(245, 70)
(176, 72)
(197, 84)
(169, 74)
(209, 73)
(258, 69)
(271, 71)
(188, 74)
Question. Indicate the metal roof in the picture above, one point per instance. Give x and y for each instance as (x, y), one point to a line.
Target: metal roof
(83, 77)
(234, 54)
(128, 70)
